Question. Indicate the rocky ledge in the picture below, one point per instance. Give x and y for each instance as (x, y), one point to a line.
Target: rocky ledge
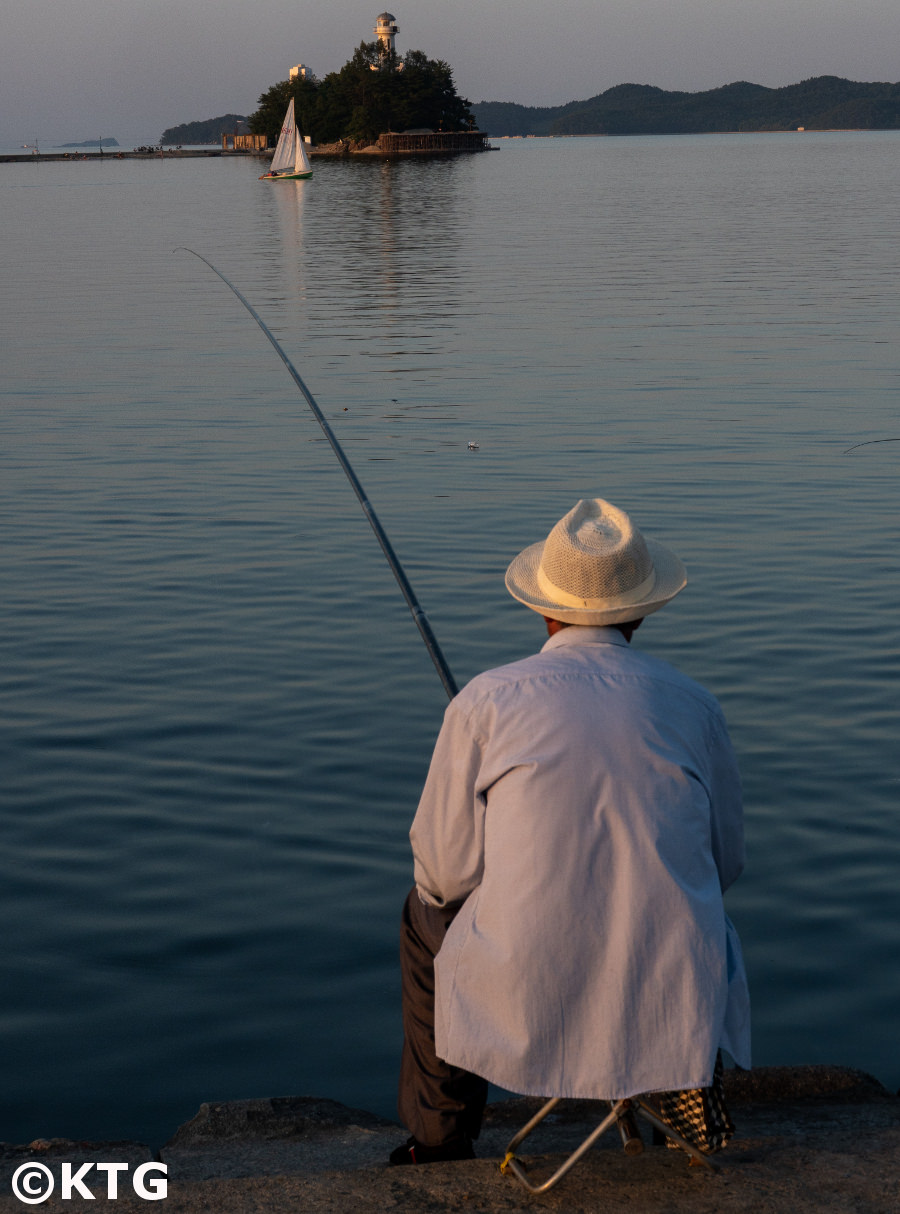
(810, 1140)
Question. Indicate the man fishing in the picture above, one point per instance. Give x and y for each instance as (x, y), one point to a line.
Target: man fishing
(580, 822)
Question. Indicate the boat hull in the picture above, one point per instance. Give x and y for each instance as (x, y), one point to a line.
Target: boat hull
(285, 176)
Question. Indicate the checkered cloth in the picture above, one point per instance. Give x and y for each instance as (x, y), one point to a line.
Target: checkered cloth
(699, 1115)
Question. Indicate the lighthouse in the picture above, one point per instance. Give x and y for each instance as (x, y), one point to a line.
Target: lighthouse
(385, 29)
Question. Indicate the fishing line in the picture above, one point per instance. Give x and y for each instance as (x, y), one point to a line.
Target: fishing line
(869, 442)
(419, 616)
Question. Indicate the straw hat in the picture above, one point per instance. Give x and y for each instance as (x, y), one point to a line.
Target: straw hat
(595, 567)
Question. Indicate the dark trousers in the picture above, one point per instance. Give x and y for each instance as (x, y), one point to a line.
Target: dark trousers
(437, 1102)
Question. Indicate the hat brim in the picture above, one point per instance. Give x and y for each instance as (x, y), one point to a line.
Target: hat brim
(522, 584)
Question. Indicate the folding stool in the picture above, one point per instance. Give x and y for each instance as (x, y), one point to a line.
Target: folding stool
(621, 1115)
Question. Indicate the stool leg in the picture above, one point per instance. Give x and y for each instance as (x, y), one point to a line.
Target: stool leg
(533, 1124)
(655, 1120)
(632, 1142)
(513, 1165)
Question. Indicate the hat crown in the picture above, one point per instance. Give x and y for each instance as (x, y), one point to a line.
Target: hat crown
(595, 553)
(595, 568)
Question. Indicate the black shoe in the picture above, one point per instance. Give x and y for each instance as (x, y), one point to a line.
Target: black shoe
(416, 1152)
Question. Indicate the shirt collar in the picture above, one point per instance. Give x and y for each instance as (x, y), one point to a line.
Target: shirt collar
(584, 634)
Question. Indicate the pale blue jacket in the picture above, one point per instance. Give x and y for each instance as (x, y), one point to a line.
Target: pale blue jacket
(584, 805)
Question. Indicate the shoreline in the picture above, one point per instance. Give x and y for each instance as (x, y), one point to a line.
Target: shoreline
(809, 1140)
(117, 154)
(343, 150)
(328, 151)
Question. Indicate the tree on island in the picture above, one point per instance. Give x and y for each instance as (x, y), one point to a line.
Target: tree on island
(210, 130)
(375, 91)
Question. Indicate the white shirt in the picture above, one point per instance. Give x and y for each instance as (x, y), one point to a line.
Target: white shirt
(585, 804)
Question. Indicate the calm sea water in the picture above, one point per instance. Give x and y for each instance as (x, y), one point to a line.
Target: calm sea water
(215, 711)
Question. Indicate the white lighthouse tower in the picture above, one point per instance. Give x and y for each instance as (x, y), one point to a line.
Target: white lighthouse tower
(385, 29)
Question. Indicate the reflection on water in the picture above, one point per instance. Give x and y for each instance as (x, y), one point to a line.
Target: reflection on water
(289, 199)
(216, 713)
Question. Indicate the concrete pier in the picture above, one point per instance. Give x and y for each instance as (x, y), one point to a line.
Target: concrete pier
(114, 154)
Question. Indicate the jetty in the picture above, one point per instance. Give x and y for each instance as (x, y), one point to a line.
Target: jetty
(163, 153)
(431, 143)
(412, 144)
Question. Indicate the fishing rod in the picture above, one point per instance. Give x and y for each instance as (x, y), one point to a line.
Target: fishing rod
(418, 614)
(869, 442)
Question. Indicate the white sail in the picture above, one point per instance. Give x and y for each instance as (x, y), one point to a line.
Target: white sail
(283, 160)
(301, 160)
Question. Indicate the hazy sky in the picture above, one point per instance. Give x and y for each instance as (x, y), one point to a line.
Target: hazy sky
(80, 69)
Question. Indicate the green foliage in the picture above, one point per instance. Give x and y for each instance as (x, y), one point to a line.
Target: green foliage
(428, 97)
(374, 91)
(209, 130)
(509, 118)
(273, 103)
(822, 103)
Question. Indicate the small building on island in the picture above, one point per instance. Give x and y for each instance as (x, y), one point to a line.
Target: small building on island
(239, 141)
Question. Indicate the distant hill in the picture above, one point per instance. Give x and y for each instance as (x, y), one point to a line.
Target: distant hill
(821, 103)
(92, 143)
(210, 130)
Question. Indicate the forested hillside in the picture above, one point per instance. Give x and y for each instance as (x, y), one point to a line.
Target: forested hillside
(210, 130)
(821, 103)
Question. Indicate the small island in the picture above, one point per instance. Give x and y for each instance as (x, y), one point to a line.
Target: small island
(92, 143)
(207, 131)
(378, 102)
(374, 94)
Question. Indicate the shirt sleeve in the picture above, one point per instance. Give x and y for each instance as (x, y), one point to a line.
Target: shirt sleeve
(727, 814)
(447, 833)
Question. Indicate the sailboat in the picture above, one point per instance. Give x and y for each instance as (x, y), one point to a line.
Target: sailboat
(290, 161)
